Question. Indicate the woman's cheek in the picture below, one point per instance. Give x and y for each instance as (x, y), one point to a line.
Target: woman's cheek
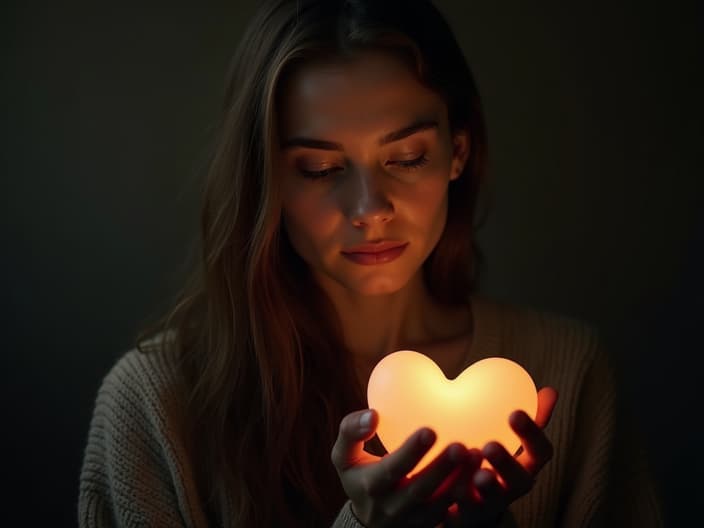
(310, 220)
(427, 197)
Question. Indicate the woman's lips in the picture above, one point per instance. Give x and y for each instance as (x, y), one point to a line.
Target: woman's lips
(375, 254)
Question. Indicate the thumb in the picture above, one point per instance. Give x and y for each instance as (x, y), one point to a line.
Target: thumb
(547, 398)
(355, 429)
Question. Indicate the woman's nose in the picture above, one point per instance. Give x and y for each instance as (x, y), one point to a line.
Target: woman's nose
(367, 203)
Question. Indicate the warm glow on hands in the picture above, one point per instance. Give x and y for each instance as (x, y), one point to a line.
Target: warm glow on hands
(409, 391)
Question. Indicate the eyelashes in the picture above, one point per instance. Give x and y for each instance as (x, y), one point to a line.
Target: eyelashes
(412, 164)
(408, 165)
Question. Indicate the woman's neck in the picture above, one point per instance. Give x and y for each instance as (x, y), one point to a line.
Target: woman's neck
(374, 326)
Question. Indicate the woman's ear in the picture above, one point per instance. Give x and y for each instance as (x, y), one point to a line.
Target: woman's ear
(460, 153)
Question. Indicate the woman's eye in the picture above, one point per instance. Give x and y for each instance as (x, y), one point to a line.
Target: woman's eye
(403, 164)
(411, 164)
(315, 175)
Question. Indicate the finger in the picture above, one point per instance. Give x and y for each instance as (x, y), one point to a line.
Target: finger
(390, 470)
(491, 492)
(512, 476)
(446, 488)
(427, 494)
(443, 497)
(428, 514)
(537, 449)
(547, 398)
(462, 490)
(433, 479)
(469, 505)
(355, 429)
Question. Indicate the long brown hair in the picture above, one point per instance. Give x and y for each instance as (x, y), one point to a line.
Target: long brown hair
(265, 374)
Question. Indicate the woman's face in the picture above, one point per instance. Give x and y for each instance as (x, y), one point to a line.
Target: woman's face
(365, 157)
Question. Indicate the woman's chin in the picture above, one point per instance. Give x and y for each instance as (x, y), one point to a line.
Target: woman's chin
(379, 286)
(373, 284)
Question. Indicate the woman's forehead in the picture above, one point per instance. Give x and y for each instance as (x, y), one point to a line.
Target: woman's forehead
(371, 91)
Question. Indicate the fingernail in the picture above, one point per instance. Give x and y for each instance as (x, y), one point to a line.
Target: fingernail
(482, 479)
(491, 449)
(365, 421)
(427, 437)
(456, 453)
(520, 420)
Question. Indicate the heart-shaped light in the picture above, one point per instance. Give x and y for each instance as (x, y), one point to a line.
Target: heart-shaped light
(409, 391)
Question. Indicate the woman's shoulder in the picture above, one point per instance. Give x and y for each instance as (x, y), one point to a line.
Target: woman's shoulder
(512, 320)
(138, 399)
(551, 344)
(143, 374)
(134, 449)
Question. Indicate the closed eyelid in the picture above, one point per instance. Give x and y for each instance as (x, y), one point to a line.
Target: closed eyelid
(397, 135)
(405, 165)
(317, 165)
(414, 147)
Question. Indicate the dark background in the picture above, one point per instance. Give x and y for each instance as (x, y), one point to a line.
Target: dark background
(595, 127)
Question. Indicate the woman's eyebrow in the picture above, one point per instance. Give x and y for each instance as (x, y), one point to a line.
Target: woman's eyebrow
(396, 135)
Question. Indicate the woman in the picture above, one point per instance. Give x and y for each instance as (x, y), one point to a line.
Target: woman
(337, 227)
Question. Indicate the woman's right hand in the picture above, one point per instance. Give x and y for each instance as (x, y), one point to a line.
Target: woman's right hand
(381, 494)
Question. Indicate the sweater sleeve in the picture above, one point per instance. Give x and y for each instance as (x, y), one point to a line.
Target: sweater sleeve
(131, 475)
(346, 518)
(610, 481)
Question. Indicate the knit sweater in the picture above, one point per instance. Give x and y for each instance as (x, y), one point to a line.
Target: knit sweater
(136, 472)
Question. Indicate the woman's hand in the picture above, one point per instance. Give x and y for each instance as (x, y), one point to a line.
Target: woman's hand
(381, 494)
(484, 495)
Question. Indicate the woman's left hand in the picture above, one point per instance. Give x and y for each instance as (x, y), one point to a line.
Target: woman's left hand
(489, 493)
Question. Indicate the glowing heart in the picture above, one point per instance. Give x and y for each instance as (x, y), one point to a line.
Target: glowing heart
(409, 391)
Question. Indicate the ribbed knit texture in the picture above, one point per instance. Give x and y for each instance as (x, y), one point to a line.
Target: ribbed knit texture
(135, 470)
